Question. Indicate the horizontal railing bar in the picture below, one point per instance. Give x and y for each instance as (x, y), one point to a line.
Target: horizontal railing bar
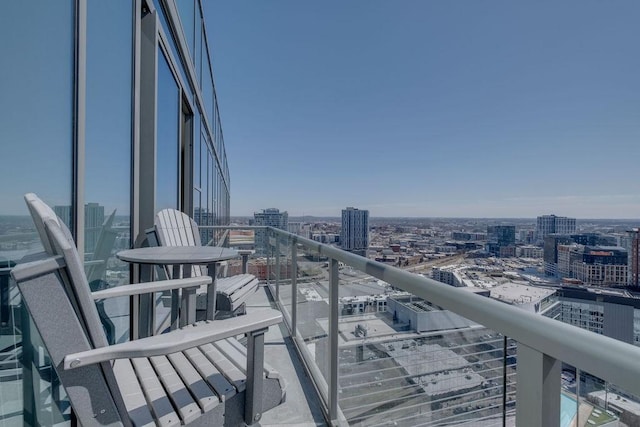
(382, 380)
(352, 375)
(463, 414)
(417, 396)
(417, 405)
(409, 386)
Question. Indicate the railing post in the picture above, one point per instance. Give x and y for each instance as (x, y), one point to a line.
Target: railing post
(268, 249)
(538, 390)
(578, 396)
(333, 339)
(294, 289)
(504, 381)
(244, 253)
(277, 256)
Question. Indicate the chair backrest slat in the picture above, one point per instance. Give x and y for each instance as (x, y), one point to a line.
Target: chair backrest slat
(175, 228)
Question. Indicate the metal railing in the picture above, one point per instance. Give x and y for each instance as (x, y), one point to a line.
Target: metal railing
(543, 344)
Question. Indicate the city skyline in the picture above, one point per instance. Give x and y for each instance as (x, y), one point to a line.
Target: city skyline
(431, 109)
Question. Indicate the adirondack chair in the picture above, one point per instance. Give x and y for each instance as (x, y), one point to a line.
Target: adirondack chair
(175, 228)
(197, 374)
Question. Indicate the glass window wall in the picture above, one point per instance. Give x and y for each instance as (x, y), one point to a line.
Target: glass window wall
(167, 136)
(37, 134)
(107, 221)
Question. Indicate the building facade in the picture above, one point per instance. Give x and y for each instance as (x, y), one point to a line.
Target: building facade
(633, 253)
(110, 114)
(354, 234)
(592, 265)
(551, 224)
(501, 240)
(550, 252)
(271, 217)
(601, 266)
(610, 314)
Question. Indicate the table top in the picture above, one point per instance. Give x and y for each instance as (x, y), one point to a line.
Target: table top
(163, 255)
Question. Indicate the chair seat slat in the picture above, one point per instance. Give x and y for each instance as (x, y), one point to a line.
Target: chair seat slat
(132, 394)
(176, 389)
(228, 369)
(216, 380)
(155, 393)
(199, 389)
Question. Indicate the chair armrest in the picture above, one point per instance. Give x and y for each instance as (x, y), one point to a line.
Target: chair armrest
(198, 334)
(148, 287)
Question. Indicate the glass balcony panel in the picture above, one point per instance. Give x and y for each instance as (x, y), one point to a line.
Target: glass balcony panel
(282, 273)
(404, 361)
(313, 306)
(590, 401)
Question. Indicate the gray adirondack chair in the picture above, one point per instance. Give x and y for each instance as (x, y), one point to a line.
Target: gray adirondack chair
(197, 374)
(175, 228)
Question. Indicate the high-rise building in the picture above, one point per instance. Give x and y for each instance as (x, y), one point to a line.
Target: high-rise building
(354, 235)
(565, 225)
(633, 257)
(551, 224)
(550, 252)
(501, 240)
(295, 227)
(271, 217)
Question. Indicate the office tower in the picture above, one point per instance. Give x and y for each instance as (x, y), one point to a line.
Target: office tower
(501, 240)
(633, 254)
(551, 224)
(271, 217)
(550, 252)
(564, 225)
(354, 235)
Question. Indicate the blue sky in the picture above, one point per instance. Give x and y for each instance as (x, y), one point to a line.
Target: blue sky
(430, 108)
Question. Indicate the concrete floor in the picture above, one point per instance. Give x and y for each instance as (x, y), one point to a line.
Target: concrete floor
(302, 407)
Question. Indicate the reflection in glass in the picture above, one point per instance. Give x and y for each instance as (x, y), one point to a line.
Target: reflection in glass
(108, 157)
(167, 136)
(36, 130)
(197, 55)
(207, 90)
(186, 11)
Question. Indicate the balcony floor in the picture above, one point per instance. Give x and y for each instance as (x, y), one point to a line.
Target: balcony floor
(302, 407)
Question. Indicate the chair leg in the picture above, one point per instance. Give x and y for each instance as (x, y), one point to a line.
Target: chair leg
(255, 369)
